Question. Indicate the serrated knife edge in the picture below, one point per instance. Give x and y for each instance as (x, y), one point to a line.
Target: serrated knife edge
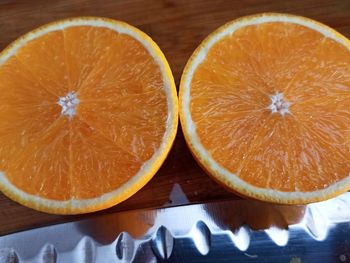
(156, 234)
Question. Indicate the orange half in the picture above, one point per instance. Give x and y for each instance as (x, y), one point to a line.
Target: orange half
(265, 108)
(88, 113)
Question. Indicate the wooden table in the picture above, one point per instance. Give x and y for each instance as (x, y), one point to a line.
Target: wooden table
(178, 27)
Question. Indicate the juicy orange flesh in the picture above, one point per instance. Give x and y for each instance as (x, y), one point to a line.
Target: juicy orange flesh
(303, 150)
(119, 124)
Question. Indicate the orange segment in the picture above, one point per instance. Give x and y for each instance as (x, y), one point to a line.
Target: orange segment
(85, 46)
(94, 156)
(136, 123)
(133, 98)
(42, 167)
(120, 72)
(329, 75)
(267, 159)
(19, 88)
(318, 163)
(23, 125)
(88, 113)
(44, 59)
(26, 110)
(265, 108)
(229, 138)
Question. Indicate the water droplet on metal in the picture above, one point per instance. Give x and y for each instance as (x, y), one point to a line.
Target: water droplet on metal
(163, 243)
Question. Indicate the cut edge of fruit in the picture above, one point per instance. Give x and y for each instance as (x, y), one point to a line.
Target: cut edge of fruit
(148, 169)
(230, 180)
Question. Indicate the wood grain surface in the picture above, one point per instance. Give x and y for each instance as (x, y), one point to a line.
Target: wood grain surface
(178, 27)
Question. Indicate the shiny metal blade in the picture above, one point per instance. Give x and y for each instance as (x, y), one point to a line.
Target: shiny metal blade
(226, 231)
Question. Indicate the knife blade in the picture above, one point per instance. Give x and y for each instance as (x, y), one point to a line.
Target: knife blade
(224, 231)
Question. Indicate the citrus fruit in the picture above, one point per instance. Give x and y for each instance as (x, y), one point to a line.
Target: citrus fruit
(88, 113)
(265, 108)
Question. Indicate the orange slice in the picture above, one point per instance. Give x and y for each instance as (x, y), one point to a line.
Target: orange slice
(265, 108)
(88, 113)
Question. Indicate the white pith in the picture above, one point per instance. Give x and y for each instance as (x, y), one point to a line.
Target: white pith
(125, 189)
(189, 126)
(279, 104)
(69, 104)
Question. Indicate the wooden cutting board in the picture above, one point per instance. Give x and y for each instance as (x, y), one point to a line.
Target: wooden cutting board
(178, 27)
